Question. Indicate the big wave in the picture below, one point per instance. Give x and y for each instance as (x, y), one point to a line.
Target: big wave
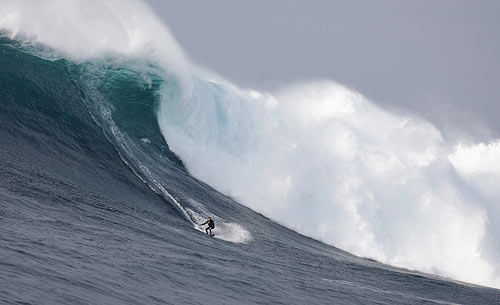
(316, 157)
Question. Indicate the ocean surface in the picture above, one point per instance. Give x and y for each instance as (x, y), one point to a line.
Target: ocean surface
(111, 157)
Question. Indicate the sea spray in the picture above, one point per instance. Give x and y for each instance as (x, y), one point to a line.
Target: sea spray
(328, 163)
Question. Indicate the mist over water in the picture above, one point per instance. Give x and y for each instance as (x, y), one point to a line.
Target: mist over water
(316, 157)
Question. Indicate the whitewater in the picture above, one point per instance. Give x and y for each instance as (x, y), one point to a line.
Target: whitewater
(316, 157)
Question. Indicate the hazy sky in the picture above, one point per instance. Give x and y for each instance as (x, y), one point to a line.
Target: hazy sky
(438, 58)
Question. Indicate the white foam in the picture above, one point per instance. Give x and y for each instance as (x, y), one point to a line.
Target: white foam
(328, 163)
(479, 165)
(477, 159)
(85, 29)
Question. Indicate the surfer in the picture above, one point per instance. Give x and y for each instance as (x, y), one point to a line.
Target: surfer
(211, 226)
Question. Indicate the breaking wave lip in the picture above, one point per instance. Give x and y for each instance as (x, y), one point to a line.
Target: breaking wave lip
(317, 157)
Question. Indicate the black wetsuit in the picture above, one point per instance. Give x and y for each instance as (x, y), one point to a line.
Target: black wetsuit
(211, 225)
(210, 222)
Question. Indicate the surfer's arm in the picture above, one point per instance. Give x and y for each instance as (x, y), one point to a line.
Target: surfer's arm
(204, 223)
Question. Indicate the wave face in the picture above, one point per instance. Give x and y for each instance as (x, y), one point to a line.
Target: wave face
(316, 157)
